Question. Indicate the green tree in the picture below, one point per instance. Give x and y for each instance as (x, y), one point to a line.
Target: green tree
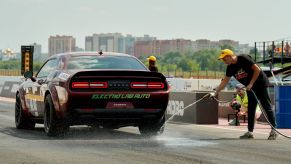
(171, 58)
(170, 67)
(188, 65)
(10, 64)
(36, 66)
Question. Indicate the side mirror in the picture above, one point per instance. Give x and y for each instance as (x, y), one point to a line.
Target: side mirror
(29, 74)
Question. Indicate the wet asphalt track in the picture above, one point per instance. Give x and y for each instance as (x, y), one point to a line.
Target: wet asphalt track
(181, 143)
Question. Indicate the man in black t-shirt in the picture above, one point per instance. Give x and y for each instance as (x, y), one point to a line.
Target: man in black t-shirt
(247, 72)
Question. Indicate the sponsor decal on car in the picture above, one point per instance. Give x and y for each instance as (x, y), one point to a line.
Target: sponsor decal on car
(120, 96)
(64, 76)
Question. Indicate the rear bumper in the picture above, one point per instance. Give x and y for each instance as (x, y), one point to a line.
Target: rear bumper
(114, 117)
(117, 111)
(154, 101)
(87, 107)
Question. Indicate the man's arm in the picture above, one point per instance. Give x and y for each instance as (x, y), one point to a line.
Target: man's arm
(222, 84)
(256, 74)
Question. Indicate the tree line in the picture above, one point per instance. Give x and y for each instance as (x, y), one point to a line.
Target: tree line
(15, 64)
(190, 61)
(203, 60)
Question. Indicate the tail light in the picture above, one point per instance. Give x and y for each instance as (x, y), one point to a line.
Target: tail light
(99, 84)
(80, 85)
(156, 85)
(139, 85)
(148, 85)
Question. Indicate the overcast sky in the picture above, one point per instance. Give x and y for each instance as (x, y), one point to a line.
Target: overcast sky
(28, 21)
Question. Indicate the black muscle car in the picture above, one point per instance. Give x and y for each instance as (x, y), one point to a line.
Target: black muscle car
(96, 89)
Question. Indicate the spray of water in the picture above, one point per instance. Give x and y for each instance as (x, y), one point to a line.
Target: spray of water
(174, 141)
(205, 96)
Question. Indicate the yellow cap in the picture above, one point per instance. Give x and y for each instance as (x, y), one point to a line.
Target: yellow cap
(152, 58)
(225, 52)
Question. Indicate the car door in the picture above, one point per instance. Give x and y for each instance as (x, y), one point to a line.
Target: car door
(38, 88)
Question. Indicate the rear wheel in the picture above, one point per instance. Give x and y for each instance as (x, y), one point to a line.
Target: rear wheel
(152, 128)
(53, 126)
(21, 120)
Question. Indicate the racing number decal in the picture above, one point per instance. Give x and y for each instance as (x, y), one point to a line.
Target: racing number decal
(174, 107)
(32, 105)
(32, 101)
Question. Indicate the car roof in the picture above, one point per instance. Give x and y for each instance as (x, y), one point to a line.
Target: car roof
(90, 53)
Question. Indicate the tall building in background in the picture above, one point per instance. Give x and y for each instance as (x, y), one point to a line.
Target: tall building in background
(143, 48)
(113, 42)
(145, 38)
(89, 43)
(147, 45)
(160, 47)
(37, 54)
(201, 44)
(61, 44)
(232, 43)
(129, 44)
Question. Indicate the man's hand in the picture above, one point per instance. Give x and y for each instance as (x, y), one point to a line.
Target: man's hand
(249, 87)
(214, 94)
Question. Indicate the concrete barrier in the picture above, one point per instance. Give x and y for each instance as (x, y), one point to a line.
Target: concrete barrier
(179, 84)
(204, 112)
(9, 85)
(9, 89)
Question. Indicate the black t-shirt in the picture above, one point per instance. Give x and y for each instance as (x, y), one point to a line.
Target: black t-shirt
(243, 72)
(153, 68)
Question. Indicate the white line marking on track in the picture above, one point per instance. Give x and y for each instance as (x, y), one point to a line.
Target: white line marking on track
(7, 99)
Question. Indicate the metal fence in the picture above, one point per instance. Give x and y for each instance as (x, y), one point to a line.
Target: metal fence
(10, 72)
(267, 52)
(196, 74)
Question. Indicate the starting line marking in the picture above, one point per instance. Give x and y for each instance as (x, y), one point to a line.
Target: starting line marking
(7, 99)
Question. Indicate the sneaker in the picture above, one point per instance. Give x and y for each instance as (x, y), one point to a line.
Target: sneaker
(247, 135)
(273, 135)
(233, 123)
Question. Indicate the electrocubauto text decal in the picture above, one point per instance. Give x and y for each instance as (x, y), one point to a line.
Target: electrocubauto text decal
(120, 96)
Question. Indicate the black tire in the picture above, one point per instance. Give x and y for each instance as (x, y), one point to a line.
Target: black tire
(52, 126)
(21, 120)
(152, 128)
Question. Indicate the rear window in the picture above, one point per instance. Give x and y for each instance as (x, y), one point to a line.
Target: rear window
(104, 62)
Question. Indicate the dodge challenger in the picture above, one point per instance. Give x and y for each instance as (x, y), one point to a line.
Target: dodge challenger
(105, 89)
